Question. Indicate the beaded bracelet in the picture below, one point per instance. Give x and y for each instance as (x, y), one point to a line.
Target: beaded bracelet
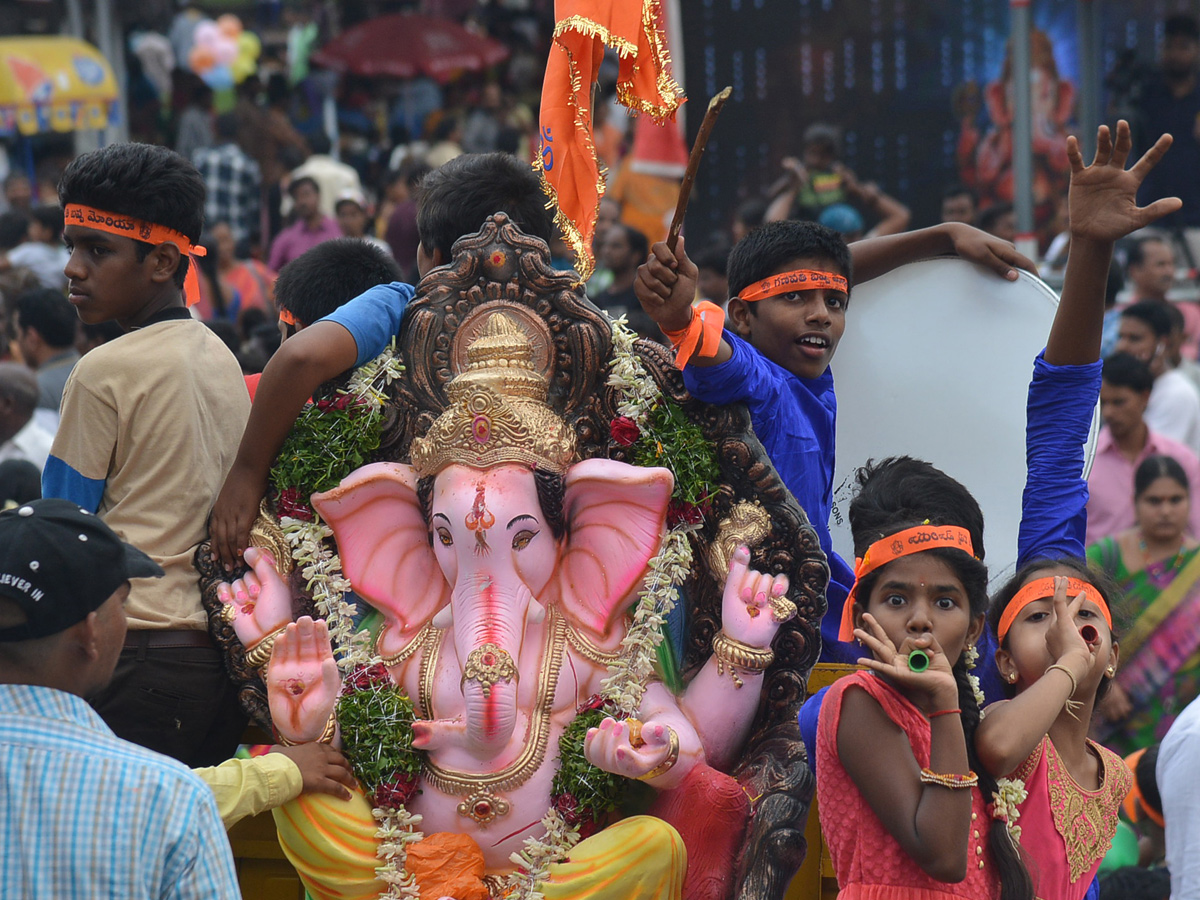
(953, 781)
(944, 712)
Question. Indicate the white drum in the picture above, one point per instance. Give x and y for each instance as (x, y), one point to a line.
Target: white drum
(935, 363)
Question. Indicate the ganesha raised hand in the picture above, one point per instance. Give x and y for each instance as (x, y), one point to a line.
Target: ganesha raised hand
(303, 682)
(754, 605)
(258, 604)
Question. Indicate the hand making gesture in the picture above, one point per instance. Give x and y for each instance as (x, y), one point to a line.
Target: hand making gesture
(936, 683)
(1103, 198)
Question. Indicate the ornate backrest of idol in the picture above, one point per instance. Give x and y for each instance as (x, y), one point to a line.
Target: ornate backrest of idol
(475, 331)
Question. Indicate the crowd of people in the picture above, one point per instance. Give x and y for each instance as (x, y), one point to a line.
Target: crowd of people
(135, 373)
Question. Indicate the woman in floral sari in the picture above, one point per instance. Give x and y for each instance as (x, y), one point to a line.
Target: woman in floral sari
(1157, 564)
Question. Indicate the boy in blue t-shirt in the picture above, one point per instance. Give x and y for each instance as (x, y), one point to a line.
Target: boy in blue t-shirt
(790, 286)
(455, 199)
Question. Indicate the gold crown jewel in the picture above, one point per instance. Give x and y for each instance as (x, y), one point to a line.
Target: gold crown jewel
(497, 411)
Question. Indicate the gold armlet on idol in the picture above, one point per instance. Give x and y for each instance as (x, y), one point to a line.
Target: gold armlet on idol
(260, 654)
(736, 655)
(672, 757)
(325, 738)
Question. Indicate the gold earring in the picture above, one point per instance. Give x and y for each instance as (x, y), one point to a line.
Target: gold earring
(1110, 671)
(1011, 677)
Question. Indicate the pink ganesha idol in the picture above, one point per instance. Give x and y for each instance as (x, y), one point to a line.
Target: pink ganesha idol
(505, 569)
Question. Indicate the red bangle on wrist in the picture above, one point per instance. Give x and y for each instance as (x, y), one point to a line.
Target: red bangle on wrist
(944, 712)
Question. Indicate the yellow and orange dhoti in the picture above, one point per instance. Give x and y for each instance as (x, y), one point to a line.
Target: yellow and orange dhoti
(332, 845)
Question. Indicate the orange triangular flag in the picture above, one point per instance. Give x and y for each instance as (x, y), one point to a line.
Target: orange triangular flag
(571, 175)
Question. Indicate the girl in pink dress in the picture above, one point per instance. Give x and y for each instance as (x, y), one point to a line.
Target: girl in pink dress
(900, 807)
(1061, 792)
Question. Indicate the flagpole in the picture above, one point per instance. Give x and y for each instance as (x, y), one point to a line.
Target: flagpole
(689, 175)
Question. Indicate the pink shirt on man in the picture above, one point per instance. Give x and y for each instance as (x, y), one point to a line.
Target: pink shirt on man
(297, 238)
(1110, 484)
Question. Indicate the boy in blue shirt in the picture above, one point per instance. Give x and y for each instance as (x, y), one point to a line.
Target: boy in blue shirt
(455, 199)
(790, 285)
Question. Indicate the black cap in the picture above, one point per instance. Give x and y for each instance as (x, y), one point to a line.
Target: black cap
(59, 563)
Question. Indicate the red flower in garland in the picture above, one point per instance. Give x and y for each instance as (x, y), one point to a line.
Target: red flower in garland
(624, 431)
(680, 512)
(593, 702)
(341, 401)
(291, 503)
(367, 678)
(395, 792)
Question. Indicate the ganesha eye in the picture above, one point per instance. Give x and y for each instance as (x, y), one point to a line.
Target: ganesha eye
(522, 539)
(445, 537)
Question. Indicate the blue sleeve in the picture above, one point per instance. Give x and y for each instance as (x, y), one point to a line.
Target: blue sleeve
(1062, 400)
(841, 579)
(746, 376)
(373, 318)
(61, 481)
(810, 714)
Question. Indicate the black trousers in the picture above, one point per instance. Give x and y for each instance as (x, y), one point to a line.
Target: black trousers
(176, 700)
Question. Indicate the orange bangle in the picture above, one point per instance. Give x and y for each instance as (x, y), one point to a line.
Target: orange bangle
(702, 337)
(944, 712)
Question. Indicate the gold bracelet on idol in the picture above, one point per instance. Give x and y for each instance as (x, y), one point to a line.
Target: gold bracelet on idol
(260, 654)
(733, 653)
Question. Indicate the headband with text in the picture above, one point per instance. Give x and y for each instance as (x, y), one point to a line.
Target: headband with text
(903, 543)
(1041, 589)
(799, 280)
(138, 230)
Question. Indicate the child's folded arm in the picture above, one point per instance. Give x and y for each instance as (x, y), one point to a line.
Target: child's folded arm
(300, 365)
(353, 334)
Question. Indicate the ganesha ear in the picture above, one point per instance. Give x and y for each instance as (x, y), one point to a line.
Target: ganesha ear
(384, 543)
(615, 516)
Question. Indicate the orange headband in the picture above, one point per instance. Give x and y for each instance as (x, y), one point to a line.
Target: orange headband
(1040, 589)
(1135, 794)
(799, 280)
(136, 229)
(703, 331)
(286, 317)
(902, 543)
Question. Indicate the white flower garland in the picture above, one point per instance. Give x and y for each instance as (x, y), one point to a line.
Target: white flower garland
(320, 567)
(397, 829)
(1010, 793)
(639, 392)
(970, 658)
(629, 674)
(539, 854)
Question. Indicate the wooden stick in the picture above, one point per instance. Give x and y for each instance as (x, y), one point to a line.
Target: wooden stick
(689, 175)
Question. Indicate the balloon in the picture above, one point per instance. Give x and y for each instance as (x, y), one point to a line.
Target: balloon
(225, 51)
(207, 34)
(249, 46)
(246, 63)
(201, 59)
(230, 25)
(242, 69)
(219, 78)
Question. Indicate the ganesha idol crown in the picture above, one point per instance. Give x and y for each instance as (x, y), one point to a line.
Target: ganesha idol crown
(497, 411)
